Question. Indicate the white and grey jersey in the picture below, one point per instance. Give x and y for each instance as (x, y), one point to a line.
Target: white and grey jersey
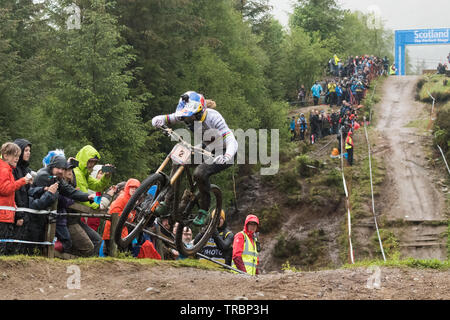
(214, 130)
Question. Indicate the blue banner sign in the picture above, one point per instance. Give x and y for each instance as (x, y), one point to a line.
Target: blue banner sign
(417, 37)
(431, 36)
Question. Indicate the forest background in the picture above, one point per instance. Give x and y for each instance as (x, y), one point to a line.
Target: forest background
(100, 83)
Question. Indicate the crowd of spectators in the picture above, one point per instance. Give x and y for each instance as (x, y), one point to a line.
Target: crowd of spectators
(343, 91)
(56, 187)
(63, 181)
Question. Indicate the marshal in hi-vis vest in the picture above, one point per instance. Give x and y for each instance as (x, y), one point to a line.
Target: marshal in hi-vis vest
(249, 255)
(349, 143)
(392, 70)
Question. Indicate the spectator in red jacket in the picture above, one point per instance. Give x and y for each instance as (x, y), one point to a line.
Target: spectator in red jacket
(8, 186)
(246, 247)
(117, 206)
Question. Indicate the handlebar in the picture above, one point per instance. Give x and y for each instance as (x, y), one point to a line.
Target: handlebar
(169, 132)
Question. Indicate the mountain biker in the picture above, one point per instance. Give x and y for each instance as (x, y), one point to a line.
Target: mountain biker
(192, 111)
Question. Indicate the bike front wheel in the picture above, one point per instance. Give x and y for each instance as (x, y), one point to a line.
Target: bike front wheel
(142, 204)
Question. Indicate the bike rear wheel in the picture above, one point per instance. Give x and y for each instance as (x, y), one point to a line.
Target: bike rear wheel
(144, 205)
(208, 228)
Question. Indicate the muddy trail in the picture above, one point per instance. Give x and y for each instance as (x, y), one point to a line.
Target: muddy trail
(113, 279)
(412, 195)
(411, 202)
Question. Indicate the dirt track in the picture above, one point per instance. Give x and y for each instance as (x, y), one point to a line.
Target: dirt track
(41, 279)
(411, 193)
(418, 198)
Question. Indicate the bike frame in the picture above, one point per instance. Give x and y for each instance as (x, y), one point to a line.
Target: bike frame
(182, 165)
(181, 156)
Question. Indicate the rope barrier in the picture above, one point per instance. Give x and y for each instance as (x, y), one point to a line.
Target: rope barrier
(432, 106)
(51, 214)
(349, 223)
(439, 147)
(371, 190)
(28, 210)
(445, 160)
(321, 149)
(44, 243)
(54, 213)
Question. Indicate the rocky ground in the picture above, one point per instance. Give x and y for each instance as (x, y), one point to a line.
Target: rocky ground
(109, 279)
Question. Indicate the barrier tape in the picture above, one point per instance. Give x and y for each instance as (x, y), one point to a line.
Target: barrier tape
(27, 210)
(350, 232)
(319, 151)
(432, 106)
(445, 160)
(442, 153)
(220, 263)
(52, 213)
(44, 243)
(349, 222)
(371, 190)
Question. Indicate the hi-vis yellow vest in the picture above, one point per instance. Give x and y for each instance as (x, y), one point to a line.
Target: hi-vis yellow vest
(392, 70)
(349, 143)
(249, 255)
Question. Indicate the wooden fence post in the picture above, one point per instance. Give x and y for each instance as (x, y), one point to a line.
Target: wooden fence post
(112, 243)
(50, 230)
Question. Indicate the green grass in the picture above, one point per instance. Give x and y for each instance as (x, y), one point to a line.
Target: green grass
(390, 243)
(421, 124)
(421, 264)
(434, 85)
(186, 263)
(402, 263)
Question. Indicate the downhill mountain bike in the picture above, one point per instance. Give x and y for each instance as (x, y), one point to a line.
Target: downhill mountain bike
(160, 187)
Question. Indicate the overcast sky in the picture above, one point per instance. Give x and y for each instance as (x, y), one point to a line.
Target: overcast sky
(396, 15)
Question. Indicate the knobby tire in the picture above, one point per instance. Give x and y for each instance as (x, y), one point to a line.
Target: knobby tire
(208, 228)
(123, 243)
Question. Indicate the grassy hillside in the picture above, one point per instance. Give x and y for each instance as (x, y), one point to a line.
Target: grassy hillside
(437, 85)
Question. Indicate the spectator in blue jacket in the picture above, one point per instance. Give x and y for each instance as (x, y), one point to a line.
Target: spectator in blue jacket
(292, 127)
(303, 126)
(316, 91)
(339, 94)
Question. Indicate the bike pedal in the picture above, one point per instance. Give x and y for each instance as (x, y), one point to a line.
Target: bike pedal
(161, 209)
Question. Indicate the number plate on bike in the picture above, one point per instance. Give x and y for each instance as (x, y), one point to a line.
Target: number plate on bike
(180, 154)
